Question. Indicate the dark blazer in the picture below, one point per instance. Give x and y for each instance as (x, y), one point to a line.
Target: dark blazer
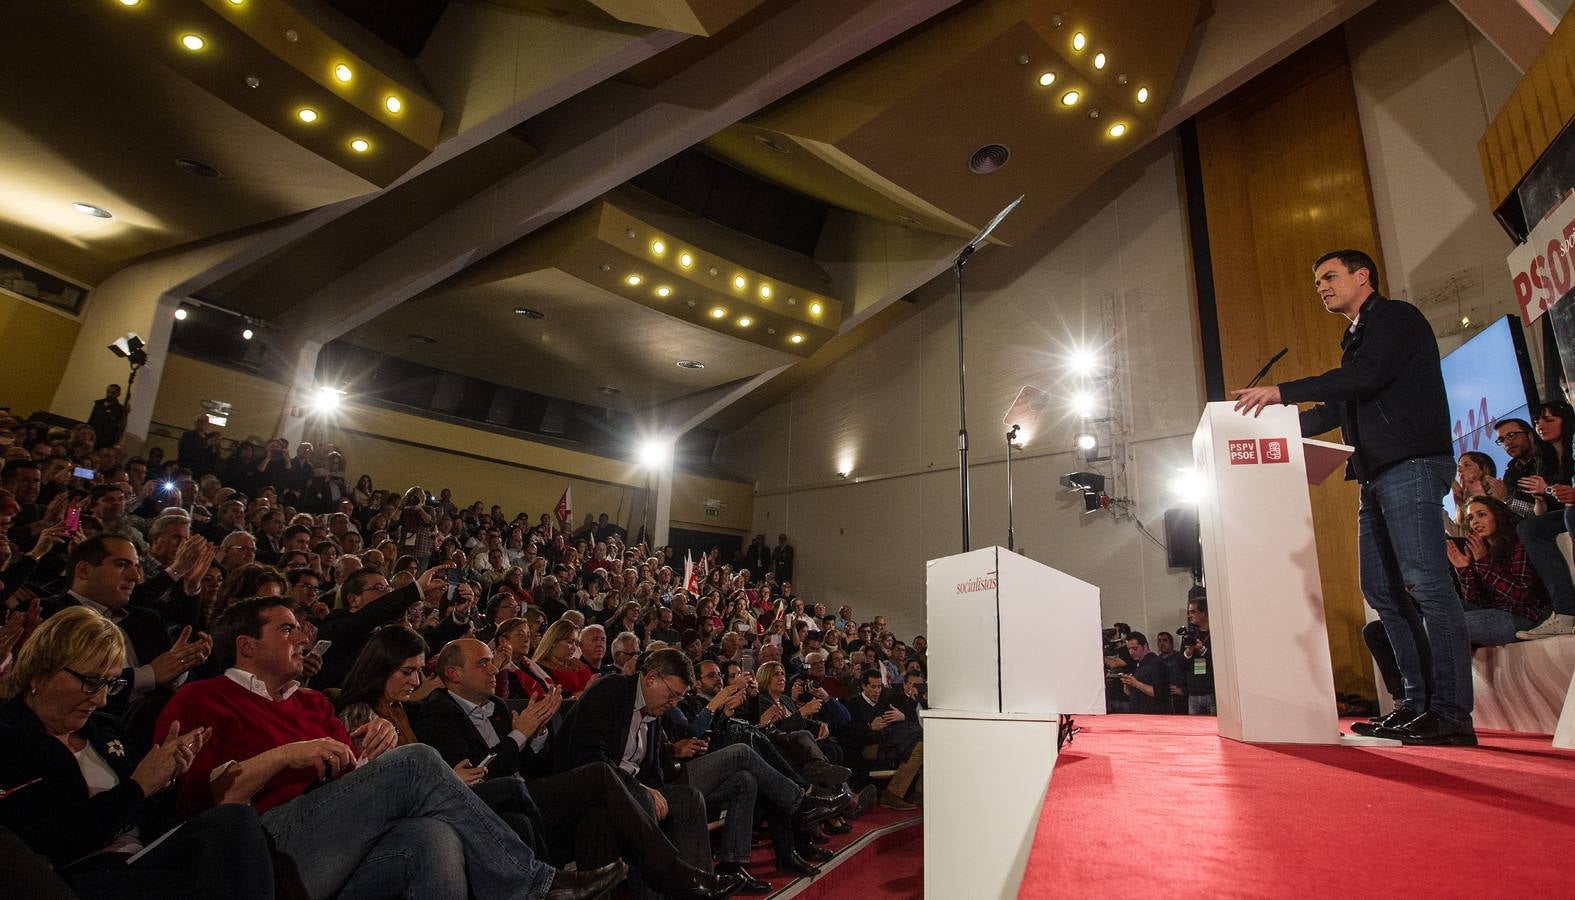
(439, 722)
(350, 632)
(56, 817)
(597, 729)
(856, 733)
(142, 626)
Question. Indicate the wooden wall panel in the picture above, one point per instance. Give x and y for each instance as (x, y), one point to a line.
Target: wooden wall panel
(1285, 180)
(1542, 104)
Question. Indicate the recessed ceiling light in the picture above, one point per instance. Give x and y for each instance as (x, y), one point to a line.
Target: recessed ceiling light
(765, 292)
(664, 291)
(633, 280)
(393, 104)
(1079, 41)
(247, 334)
(1099, 60)
(88, 209)
(686, 259)
(797, 339)
(237, 2)
(180, 314)
(306, 114)
(360, 145)
(690, 364)
(814, 308)
(1047, 79)
(196, 167)
(745, 322)
(771, 331)
(689, 303)
(253, 82)
(193, 42)
(658, 248)
(1070, 98)
(1142, 95)
(740, 282)
(529, 313)
(129, 2)
(792, 300)
(1118, 129)
(1093, 113)
(291, 35)
(712, 271)
(343, 73)
(718, 312)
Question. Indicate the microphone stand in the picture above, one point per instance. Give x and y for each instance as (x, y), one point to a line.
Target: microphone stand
(1266, 367)
(962, 368)
(1011, 531)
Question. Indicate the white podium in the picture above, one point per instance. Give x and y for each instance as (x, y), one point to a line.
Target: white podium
(1273, 681)
(1013, 644)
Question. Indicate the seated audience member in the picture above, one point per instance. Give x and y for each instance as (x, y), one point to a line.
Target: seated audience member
(882, 734)
(1554, 514)
(1148, 684)
(271, 740)
(1474, 477)
(555, 654)
(466, 723)
(593, 650)
(1498, 584)
(1527, 456)
(369, 603)
(519, 676)
(80, 795)
(806, 741)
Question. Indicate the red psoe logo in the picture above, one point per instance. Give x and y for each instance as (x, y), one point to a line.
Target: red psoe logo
(1243, 453)
(1274, 450)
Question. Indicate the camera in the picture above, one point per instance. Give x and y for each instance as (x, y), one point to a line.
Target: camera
(1187, 634)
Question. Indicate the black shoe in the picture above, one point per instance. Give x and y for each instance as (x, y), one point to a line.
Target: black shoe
(747, 883)
(587, 885)
(825, 774)
(842, 827)
(1398, 717)
(813, 811)
(813, 853)
(1432, 730)
(816, 835)
(865, 801)
(793, 864)
(685, 882)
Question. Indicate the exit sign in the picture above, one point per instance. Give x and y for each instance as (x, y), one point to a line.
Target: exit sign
(713, 513)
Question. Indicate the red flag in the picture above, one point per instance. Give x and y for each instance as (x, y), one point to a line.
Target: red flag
(691, 576)
(564, 505)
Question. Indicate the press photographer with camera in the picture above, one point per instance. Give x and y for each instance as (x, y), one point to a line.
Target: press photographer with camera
(1194, 640)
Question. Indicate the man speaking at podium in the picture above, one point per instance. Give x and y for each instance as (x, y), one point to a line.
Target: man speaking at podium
(1388, 399)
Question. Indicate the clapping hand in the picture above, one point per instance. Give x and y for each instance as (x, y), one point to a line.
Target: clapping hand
(169, 759)
(1477, 545)
(536, 714)
(1457, 556)
(185, 655)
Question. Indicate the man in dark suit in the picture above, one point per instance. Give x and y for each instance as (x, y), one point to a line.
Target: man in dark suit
(588, 808)
(880, 732)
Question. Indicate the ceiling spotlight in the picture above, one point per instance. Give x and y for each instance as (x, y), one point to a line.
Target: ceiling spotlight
(712, 272)
(247, 334)
(815, 308)
(1047, 79)
(129, 2)
(1118, 129)
(689, 303)
(1083, 362)
(253, 82)
(765, 292)
(633, 280)
(1079, 41)
(343, 73)
(1093, 113)
(180, 314)
(1188, 485)
(237, 2)
(1086, 441)
(740, 282)
(1070, 98)
(797, 339)
(291, 35)
(306, 114)
(654, 452)
(718, 312)
(686, 259)
(771, 331)
(664, 291)
(360, 145)
(1099, 60)
(658, 248)
(193, 42)
(745, 322)
(327, 399)
(690, 364)
(393, 104)
(1142, 95)
(1121, 78)
(88, 209)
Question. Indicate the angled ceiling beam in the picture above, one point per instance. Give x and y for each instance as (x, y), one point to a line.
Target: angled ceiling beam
(608, 135)
(1518, 29)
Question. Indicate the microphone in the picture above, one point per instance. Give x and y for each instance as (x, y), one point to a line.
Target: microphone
(1267, 366)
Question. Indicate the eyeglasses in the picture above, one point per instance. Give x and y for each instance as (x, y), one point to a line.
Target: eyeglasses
(1507, 435)
(92, 685)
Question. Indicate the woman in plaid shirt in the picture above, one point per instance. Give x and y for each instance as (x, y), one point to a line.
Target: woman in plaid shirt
(1498, 583)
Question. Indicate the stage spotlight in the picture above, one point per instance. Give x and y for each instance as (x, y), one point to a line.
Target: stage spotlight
(1086, 441)
(1083, 361)
(327, 399)
(1188, 485)
(130, 348)
(654, 452)
(180, 314)
(1091, 485)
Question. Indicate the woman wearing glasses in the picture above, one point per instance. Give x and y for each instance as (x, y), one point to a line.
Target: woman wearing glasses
(80, 794)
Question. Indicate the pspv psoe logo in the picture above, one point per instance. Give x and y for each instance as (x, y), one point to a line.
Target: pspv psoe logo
(1243, 452)
(1274, 450)
(1250, 452)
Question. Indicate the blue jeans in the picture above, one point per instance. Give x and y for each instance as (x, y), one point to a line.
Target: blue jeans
(1201, 705)
(1405, 578)
(418, 859)
(1492, 627)
(1538, 534)
(352, 815)
(730, 779)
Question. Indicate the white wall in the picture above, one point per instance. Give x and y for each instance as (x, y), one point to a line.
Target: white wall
(1427, 85)
(888, 414)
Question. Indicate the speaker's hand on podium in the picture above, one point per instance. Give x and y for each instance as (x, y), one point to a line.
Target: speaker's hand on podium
(1253, 400)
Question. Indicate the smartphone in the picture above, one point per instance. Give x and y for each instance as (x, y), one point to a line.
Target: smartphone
(80, 472)
(322, 647)
(486, 760)
(73, 520)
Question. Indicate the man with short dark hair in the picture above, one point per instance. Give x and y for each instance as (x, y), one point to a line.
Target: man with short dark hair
(379, 820)
(880, 732)
(107, 418)
(369, 603)
(1519, 442)
(1387, 397)
(1147, 685)
(1200, 662)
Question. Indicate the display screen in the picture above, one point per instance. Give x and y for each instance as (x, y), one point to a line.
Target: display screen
(1487, 378)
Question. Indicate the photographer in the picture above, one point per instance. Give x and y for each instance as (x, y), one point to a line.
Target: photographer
(1148, 685)
(1118, 664)
(1195, 647)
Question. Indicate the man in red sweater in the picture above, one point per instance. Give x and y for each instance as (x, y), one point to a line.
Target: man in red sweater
(356, 814)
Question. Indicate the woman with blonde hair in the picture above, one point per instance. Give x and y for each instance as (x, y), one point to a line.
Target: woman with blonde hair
(556, 654)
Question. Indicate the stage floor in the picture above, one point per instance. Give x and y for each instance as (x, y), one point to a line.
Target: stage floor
(1164, 806)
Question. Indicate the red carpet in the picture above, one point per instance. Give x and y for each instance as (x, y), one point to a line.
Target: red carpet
(891, 868)
(857, 869)
(1165, 806)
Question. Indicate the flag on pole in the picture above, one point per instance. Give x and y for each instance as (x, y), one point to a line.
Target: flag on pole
(705, 568)
(564, 506)
(691, 577)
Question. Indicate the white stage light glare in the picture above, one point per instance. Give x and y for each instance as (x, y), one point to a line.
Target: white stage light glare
(655, 452)
(1187, 486)
(1083, 404)
(327, 399)
(1083, 361)
(1086, 441)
